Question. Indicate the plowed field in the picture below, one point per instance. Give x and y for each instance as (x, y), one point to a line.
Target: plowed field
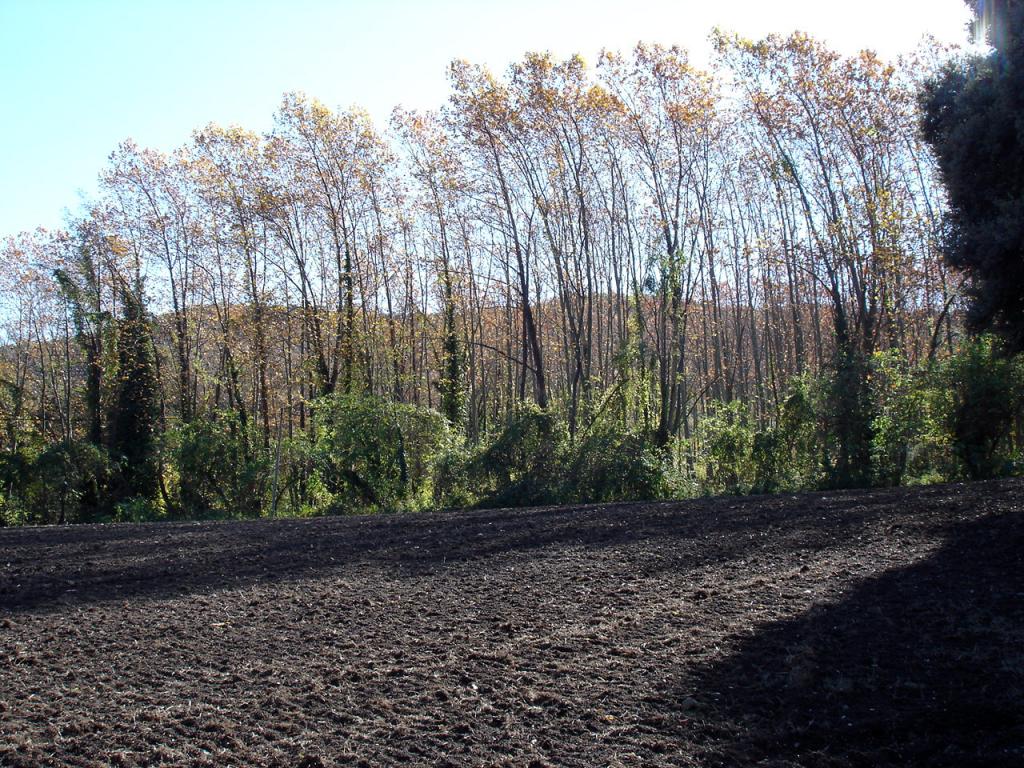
(873, 628)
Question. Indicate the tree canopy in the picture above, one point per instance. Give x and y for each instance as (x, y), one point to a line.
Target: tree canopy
(572, 282)
(974, 120)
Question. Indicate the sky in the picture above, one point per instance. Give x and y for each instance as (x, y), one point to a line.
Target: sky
(77, 77)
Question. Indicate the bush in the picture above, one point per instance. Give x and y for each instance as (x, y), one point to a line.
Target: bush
(373, 454)
(982, 393)
(723, 449)
(788, 455)
(530, 462)
(137, 509)
(909, 442)
(223, 469)
(68, 482)
(454, 485)
(15, 471)
(521, 465)
(610, 465)
(900, 418)
(770, 457)
(848, 415)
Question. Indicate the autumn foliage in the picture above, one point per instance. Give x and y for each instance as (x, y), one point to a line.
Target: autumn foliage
(571, 283)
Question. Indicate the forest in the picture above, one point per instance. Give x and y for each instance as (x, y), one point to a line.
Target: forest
(634, 279)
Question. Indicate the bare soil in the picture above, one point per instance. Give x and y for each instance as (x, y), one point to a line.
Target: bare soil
(872, 628)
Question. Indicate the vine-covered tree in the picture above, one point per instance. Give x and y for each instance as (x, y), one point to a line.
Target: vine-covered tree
(135, 421)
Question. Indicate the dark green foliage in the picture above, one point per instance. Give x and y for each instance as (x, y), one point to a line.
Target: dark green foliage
(900, 416)
(983, 394)
(973, 121)
(940, 422)
(771, 461)
(724, 445)
(788, 454)
(223, 469)
(949, 420)
(450, 386)
(68, 483)
(909, 442)
(520, 466)
(136, 410)
(375, 454)
(15, 476)
(531, 461)
(609, 465)
(454, 484)
(730, 454)
(848, 416)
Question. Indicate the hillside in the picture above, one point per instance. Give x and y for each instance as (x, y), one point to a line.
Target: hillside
(860, 628)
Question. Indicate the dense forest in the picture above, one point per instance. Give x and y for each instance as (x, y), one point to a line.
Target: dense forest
(638, 279)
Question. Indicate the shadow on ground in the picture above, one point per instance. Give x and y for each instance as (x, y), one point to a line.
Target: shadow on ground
(921, 666)
(77, 565)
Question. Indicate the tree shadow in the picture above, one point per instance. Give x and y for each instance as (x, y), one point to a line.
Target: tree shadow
(54, 566)
(920, 666)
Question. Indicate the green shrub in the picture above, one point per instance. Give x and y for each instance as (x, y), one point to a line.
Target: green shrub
(770, 457)
(373, 454)
(531, 462)
(521, 465)
(137, 509)
(900, 416)
(611, 465)
(15, 471)
(454, 485)
(847, 413)
(224, 471)
(68, 482)
(731, 454)
(909, 441)
(723, 449)
(981, 394)
(803, 430)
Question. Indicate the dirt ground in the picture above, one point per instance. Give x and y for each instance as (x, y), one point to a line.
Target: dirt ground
(873, 628)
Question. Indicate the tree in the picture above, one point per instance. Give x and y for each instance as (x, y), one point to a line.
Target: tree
(152, 201)
(635, 246)
(135, 420)
(438, 174)
(972, 120)
(82, 289)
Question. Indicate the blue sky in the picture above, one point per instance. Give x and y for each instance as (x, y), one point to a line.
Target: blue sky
(79, 76)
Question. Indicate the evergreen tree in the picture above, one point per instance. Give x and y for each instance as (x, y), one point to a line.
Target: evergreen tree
(135, 420)
(973, 121)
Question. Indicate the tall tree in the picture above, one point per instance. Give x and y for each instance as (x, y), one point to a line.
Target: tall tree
(81, 284)
(135, 421)
(972, 118)
(435, 169)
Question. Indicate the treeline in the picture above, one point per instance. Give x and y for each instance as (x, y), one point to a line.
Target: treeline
(636, 280)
